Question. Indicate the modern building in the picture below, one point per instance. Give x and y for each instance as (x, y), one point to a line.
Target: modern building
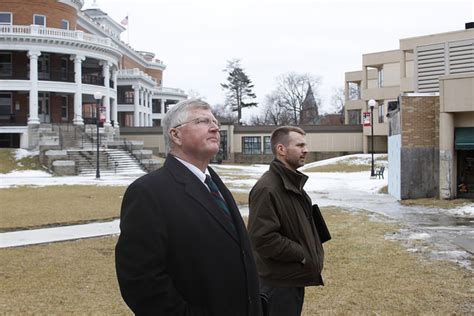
(424, 116)
(54, 57)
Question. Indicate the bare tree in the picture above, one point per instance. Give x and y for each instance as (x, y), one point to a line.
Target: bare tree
(291, 91)
(274, 113)
(338, 100)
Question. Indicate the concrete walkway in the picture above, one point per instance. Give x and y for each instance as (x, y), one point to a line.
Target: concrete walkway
(62, 233)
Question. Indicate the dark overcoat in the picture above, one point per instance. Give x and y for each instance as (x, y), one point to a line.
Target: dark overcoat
(177, 254)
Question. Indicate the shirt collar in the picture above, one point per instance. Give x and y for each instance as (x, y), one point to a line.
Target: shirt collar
(195, 170)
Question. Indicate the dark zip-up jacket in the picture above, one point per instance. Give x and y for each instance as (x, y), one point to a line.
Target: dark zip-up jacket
(282, 231)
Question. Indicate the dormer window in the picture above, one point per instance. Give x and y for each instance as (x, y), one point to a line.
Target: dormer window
(65, 24)
(39, 20)
(5, 18)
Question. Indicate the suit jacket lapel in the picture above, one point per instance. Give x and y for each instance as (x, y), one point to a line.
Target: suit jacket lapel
(198, 191)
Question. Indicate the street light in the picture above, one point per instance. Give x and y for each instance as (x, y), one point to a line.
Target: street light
(372, 103)
(98, 98)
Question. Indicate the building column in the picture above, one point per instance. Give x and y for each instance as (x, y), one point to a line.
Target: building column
(106, 74)
(77, 120)
(365, 77)
(447, 175)
(150, 96)
(114, 101)
(136, 99)
(403, 72)
(162, 106)
(33, 111)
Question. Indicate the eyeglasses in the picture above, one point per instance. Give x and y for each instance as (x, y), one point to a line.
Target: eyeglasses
(203, 121)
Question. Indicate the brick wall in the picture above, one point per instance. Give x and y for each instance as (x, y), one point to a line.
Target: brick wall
(23, 11)
(420, 121)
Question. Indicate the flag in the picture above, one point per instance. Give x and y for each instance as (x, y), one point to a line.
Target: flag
(124, 21)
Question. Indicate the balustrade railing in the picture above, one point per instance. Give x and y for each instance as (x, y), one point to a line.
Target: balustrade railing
(37, 30)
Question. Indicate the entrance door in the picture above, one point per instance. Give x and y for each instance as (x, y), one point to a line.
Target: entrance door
(44, 107)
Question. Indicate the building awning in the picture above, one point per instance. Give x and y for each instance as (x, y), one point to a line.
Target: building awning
(464, 138)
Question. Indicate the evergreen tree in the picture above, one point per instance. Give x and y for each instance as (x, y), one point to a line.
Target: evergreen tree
(238, 88)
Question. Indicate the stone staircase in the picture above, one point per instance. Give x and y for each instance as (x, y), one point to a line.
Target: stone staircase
(111, 162)
(77, 146)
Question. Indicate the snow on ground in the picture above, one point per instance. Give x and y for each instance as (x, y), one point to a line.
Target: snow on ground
(22, 153)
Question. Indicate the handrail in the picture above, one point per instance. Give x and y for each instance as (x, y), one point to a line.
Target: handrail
(48, 32)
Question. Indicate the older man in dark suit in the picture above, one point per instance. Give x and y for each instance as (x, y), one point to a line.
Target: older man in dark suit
(183, 247)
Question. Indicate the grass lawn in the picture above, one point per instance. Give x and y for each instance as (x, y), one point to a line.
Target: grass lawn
(33, 207)
(364, 274)
(8, 162)
(64, 205)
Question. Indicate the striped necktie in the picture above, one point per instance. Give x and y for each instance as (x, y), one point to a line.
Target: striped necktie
(219, 199)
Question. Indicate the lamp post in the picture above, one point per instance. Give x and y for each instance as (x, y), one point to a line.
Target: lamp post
(98, 98)
(372, 103)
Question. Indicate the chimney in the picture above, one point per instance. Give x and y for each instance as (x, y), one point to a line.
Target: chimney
(469, 25)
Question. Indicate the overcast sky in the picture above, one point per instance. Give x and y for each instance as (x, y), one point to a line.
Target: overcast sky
(325, 38)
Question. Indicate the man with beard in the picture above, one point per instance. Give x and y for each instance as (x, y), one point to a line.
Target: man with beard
(285, 242)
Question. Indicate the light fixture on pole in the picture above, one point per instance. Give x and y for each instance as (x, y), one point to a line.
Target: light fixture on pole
(372, 103)
(98, 99)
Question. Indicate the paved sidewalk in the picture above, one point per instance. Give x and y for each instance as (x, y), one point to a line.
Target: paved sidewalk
(46, 235)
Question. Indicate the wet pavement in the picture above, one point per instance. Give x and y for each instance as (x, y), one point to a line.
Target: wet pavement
(436, 232)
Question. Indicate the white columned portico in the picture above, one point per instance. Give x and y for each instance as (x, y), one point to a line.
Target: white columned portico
(114, 101)
(33, 118)
(78, 94)
(136, 99)
(106, 74)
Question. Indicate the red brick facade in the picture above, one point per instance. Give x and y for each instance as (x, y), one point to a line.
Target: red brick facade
(23, 11)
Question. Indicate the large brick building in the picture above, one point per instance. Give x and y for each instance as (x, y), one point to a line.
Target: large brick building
(54, 57)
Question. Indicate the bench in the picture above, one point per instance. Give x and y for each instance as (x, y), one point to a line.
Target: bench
(379, 172)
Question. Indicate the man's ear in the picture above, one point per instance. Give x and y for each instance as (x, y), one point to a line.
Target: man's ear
(175, 136)
(281, 149)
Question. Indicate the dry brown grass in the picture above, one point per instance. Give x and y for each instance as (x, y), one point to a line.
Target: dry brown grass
(436, 203)
(367, 274)
(64, 205)
(8, 162)
(32, 207)
(364, 274)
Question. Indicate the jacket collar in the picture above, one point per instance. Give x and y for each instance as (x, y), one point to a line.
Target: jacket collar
(292, 180)
(198, 191)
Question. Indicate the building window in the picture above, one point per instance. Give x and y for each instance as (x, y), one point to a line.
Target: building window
(251, 145)
(5, 65)
(5, 103)
(267, 145)
(354, 117)
(5, 18)
(381, 113)
(380, 77)
(64, 68)
(43, 67)
(39, 20)
(65, 24)
(64, 108)
(156, 105)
